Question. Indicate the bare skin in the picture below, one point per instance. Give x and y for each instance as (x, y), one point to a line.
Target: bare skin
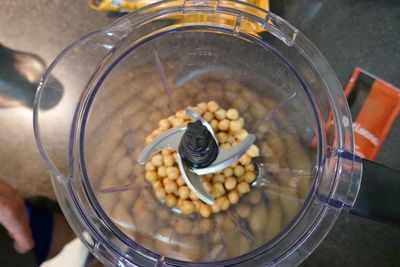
(14, 219)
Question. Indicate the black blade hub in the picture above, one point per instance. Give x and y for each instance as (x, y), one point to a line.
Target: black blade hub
(198, 148)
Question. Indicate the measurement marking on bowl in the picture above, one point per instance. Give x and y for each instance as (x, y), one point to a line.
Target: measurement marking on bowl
(164, 81)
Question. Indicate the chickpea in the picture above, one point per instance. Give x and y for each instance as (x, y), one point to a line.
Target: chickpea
(187, 207)
(164, 124)
(184, 192)
(249, 177)
(214, 125)
(217, 190)
(177, 122)
(203, 106)
(180, 181)
(166, 152)
(238, 170)
(209, 176)
(222, 202)
(173, 173)
(230, 183)
(198, 110)
(149, 166)
(208, 116)
(220, 114)
(249, 167)
(181, 114)
(228, 172)
(170, 187)
(160, 193)
(212, 106)
(162, 172)
(157, 184)
(192, 196)
(253, 151)
(170, 200)
(151, 176)
(245, 159)
(205, 210)
(242, 134)
(207, 186)
(230, 139)
(197, 204)
(169, 160)
(222, 137)
(215, 208)
(223, 125)
(218, 178)
(232, 114)
(149, 138)
(233, 197)
(157, 160)
(243, 188)
(235, 126)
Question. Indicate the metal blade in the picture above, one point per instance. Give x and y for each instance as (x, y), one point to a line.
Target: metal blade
(193, 181)
(228, 156)
(170, 138)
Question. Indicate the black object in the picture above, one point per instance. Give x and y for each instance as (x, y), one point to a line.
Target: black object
(379, 195)
(198, 148)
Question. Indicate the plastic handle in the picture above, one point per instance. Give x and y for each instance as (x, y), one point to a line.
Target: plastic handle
(379, 195)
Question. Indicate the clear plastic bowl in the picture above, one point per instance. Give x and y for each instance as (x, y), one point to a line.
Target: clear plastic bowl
(120, 80)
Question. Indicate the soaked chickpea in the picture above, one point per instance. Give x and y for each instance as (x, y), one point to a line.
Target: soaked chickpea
(170, 187)
(253, 151)
(235, 126)
(239, 170)
(245, 159)
(208, 116)
(233, 197)
(230, 183)
(212, 106)
(222, 137)
(157, 160)
(220, 114)
(214, 125)
(169, 160)
(205, 210)
(184, 192)
(149, 166)
(218, 178)
(249, 177)
(232, 114)
(223, 125)
(151, 176)
(173, 173)
(187, 207)
(170, 200)
(160, 193)
(243, 188)
(164, 124)
(162, 171)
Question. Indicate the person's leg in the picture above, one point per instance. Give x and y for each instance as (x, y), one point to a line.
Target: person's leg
(49, 228)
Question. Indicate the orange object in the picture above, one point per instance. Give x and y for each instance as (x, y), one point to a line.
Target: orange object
(374, 105)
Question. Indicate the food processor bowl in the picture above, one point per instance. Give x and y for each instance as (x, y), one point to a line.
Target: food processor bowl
(121, 80)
